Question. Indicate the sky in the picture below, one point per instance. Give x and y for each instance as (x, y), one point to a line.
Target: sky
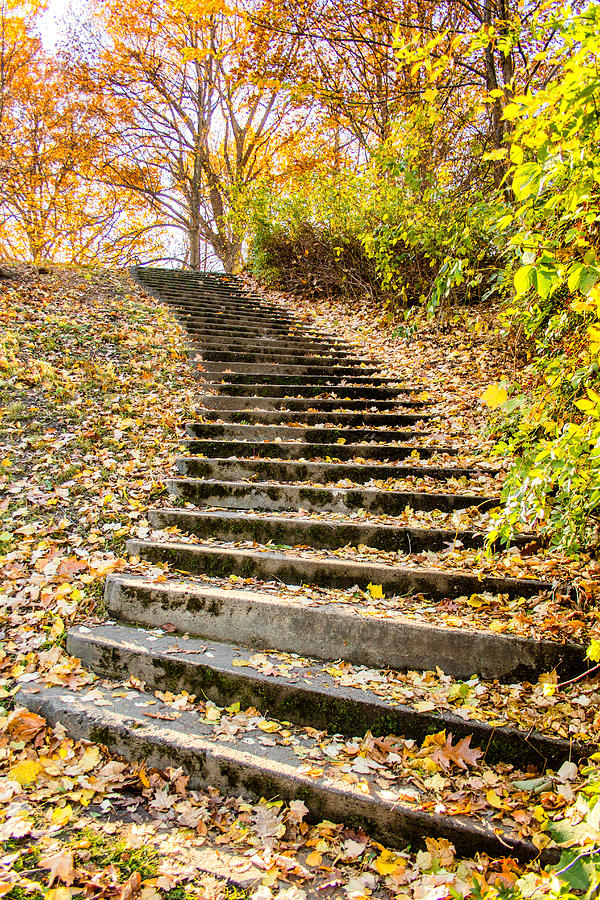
(52, 24)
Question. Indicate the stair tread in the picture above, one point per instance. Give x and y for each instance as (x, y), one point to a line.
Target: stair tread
(307, 692)
(403, 810)
(397, 578)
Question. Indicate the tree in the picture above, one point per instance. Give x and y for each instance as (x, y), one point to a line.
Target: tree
(195, 120)
(51, 140)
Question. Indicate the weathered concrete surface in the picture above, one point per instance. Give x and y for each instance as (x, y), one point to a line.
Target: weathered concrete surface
(166, 662)
(221, 562)
(292, 531)
(263, 772)
(315, 472)
(267, 496)
(221, 448)
(264, 621)
(221, 430)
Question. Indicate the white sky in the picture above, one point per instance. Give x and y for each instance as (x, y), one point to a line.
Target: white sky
(52, 24)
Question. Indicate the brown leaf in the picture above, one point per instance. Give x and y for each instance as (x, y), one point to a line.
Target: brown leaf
(61, 867)
(24, 725)
(462, 754)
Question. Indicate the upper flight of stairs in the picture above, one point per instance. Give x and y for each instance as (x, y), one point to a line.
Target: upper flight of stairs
(296, 424)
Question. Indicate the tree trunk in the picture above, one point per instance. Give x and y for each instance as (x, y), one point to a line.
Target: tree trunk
(194, 239)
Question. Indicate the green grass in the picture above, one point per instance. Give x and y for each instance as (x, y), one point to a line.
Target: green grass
(105, 851)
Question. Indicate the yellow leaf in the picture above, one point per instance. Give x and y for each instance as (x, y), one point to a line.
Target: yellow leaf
(376, 591)
(494, 800)
(494, 396)
(89, 760)
(59, 893)
(62, 816)
(388, 862)
(25, 772)
(593, 651)
(341, 441)
(269, 727)
(314, 859)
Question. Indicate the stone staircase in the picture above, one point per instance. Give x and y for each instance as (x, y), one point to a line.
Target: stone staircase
(284, 508)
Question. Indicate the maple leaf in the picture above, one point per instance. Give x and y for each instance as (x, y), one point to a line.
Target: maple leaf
(462, 754)
(61, 867)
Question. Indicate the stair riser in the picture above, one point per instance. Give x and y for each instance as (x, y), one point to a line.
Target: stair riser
(389, 452)
(274, 389)
(239, 495)
(270, 346)
(221, 401)
(327, 535)
(322, 360)
(239, 773)
(243, 329)
(306, 705)
(318, 473)
(283, 369)
(326, 633)
(392, 420)
(329, 573)
(214, 430)
(328, 383)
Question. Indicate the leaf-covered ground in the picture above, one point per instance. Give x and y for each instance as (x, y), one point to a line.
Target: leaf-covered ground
(95, 387)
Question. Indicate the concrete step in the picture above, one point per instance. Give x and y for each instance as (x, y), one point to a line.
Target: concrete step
(282, 417)
(316, 472)
(313, 498)
(227, 334)
(224, 449)
(223, 401)
(238, 315)
(268, 345)
(244, 332)
(213, 430)
(292, 358)
(327, 382)
(259, 770)
(310, 434)
(165, 662)
(327, 631)
(336, 572)
(288, 369)
(286, 531)
(272, 388)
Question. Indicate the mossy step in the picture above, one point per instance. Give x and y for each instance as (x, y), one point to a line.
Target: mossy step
(312, 435)
(269, 345)
(233, 316)
(292, 388)
(216, 336)
(297, 357)
(315, 472)
(282, 417)
(290, 404)
(337, 371)
(314, 498)
(226, 525)
(327, 382)
(223, 449)
(165, 662)
(326, 631)
(257, 771)
(297, 569)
